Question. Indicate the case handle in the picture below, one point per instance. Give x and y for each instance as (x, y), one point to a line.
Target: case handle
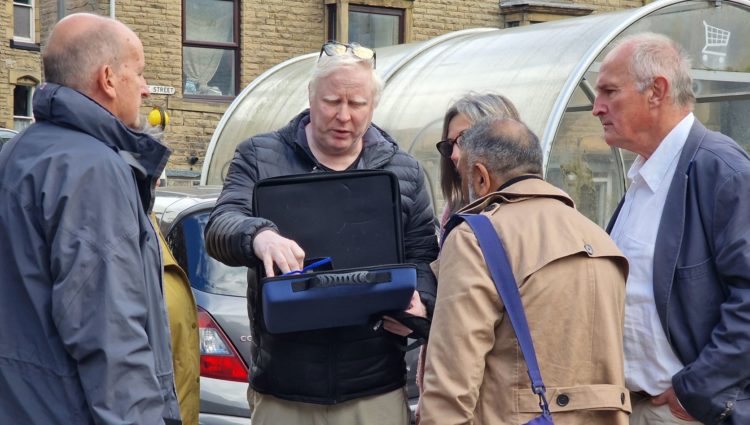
(328, 280)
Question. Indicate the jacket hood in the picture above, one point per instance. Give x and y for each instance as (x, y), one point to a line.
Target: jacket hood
(379, 146)
(70, 108)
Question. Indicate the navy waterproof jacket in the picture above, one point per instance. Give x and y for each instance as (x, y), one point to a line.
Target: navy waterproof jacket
(84, 336)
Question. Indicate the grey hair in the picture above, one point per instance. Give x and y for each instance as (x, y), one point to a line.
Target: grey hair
(72, 63)
(507, 147)
(327, 65)
(475, 107)
(656, 55)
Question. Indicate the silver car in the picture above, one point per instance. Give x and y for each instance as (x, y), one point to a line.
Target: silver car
(5, 135)
(220, 293)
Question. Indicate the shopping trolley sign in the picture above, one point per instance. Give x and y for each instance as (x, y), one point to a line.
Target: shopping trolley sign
(717, 40)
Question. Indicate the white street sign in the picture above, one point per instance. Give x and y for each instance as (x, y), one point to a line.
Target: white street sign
(161, 90)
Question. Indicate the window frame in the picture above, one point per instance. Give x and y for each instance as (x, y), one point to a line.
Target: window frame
(332, 21)
(32, 18)
(388, 11)
(29, 118)
(402, 11)
(235, 46)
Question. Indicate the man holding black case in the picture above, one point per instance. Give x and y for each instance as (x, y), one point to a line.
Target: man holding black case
(351, 375)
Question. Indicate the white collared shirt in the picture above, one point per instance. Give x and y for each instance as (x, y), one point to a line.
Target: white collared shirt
(650, 361)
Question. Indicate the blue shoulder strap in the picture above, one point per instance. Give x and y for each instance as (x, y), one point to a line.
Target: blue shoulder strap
(502, 274)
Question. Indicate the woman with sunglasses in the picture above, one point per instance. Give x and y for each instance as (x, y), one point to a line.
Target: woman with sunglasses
(464, 113)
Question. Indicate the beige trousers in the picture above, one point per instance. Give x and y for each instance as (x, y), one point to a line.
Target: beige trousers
(384, 409)
(645, 413)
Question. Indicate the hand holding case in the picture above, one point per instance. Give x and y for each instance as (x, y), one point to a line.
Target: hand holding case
(354, 217)
(335, 298)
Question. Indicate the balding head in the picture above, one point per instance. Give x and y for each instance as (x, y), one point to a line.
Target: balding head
(101, 58)
(496, 150)
(650, 55)
(506, 146)
(643, 91)
(78, 45)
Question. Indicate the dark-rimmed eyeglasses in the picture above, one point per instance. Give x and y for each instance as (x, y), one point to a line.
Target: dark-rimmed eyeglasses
(445, 147)
(335, 48)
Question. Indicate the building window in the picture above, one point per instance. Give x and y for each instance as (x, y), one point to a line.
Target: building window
(22, 112)
(23, 20)
(368, 25)
(210, 48)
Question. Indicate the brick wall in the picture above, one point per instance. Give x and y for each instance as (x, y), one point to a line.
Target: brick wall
(15, 63)
(276, 30)
(610, 5)
(436, 17)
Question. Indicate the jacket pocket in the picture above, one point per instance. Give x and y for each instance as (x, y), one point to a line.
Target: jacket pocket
(581, 397)
(696, 271)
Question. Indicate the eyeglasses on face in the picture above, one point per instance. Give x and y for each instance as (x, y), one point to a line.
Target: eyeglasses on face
(334, 48)
(445, 147)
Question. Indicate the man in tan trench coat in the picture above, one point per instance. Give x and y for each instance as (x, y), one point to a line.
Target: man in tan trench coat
(571, 278)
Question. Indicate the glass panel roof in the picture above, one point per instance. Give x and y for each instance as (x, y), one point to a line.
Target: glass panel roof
(545, 69)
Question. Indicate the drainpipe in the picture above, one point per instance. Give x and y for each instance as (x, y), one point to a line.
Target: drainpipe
(60, 9)
(112, 9)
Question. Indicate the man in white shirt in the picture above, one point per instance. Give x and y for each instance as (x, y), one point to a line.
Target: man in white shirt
(683, 228)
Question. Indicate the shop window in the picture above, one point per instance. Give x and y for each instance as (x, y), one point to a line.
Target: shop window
(23, 20)
(368, 25)
(210, 48)
(22, 112)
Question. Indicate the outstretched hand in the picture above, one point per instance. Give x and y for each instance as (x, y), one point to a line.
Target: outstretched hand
(272, 248)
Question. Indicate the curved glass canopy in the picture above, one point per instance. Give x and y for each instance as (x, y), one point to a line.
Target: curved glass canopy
(548, 71)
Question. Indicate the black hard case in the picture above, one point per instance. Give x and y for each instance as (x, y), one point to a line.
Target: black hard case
(354, 217)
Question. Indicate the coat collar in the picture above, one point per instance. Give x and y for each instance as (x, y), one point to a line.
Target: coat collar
(70, 108)
(520, 191)
(66, 107)
(379, 147)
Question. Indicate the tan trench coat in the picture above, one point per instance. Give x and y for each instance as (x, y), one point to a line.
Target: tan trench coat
(571, 277)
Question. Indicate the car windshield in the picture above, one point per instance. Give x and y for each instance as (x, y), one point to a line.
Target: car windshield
(205, 274)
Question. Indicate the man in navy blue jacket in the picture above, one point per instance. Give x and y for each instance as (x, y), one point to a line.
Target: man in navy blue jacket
(84, 336)
(687, 313)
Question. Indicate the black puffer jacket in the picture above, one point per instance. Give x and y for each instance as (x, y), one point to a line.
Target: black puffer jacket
(326, 366)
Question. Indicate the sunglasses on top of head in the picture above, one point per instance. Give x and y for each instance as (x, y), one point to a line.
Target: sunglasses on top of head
(335, 48)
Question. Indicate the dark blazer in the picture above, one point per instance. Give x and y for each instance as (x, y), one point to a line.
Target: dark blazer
(702, 276)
